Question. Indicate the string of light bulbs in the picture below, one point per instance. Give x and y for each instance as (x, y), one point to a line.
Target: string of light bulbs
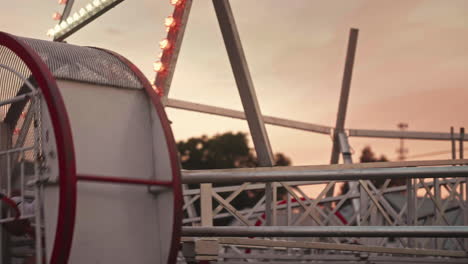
(162, 64)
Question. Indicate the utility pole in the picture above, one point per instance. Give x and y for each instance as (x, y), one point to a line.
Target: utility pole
(402, 151)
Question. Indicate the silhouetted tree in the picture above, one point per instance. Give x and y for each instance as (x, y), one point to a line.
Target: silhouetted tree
(224, 151)
(367, 155)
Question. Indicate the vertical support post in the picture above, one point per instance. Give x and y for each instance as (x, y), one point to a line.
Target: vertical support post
(4, 144)
(191, 212)
(452, 140)
(345, 148)
(347, 159)
(462, 137)
(411, 208)
(465, 211)
(343, 104)
(206, 204)
(250, 104)
(288, 209)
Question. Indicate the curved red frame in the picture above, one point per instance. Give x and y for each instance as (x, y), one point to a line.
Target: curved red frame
(64, 144)
(171, 145)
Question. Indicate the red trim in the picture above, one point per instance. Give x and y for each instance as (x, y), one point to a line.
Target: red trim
(13, 205)
(175, 37)
(173, 155)
(94, 178)
(64, 144)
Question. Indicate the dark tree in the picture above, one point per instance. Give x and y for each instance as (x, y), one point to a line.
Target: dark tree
(221, 151)
(368, 155)
(224, 151)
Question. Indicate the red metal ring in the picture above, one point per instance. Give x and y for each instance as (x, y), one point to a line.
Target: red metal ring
(13, 205)
(64, 144)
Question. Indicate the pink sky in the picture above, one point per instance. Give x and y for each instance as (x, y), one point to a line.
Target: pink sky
(411, 64)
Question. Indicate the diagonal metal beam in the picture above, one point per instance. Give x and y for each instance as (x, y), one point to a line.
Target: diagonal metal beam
(73, 28)
(230, 208)
(175, 36)
(231, 197)
(345, 87)
(248, 97)
(344, 96)
(66, 10)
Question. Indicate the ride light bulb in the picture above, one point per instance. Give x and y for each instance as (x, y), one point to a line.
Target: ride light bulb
(169, 21)
(62, 2)
(50, 32)
(175, 2)
(56, 16)
(164, 44)
(158, 66)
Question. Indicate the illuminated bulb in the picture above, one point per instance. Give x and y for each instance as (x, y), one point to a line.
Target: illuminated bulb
(56, 16)
(158, 66)
(51, 32)
(169, 21)
(160, 55)
(96, 3)
(62, 2)
(175, 2)
(70, 20)
(164, 44)
(57, 28)
(76, 16)
(158, 91)
(63, 25)
(154, 85)
(89, 7)
(82, 12)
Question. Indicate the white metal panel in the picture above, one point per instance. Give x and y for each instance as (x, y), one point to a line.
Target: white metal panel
(113, 136)
(165, 200)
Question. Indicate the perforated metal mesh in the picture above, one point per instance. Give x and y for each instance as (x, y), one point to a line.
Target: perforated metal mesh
(83, 64)
(10, 84)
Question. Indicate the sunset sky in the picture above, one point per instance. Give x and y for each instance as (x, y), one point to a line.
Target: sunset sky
(411, 64)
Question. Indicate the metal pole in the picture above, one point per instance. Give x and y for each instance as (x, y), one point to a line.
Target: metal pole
(61, 36)
(66, 10)
(347, 158)
(248, 97)
(5, 142)
(326, 231)
(345, 87)
(411, 207)
(206, 204)
(461, 154)
(343, 104)
(452, 140)
(301, 174)
(462, 136)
